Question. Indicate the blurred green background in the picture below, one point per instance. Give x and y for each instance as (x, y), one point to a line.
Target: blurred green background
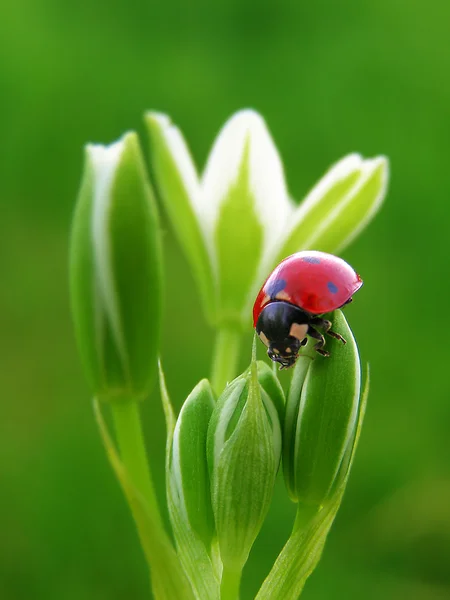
(330, 78)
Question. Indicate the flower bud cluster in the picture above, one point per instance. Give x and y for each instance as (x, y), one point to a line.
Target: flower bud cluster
(236, 221)
(233, 446)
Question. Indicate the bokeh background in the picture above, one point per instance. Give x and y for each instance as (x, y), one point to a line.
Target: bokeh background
(330, 78)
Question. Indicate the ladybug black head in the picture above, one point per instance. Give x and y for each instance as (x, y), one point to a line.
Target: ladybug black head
(285, 353)
(282, 327)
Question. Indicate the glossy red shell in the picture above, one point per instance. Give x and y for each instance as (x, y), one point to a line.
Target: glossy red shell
(315, 281)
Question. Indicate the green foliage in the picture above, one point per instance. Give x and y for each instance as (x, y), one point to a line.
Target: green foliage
(240, 212)
(221, 459)
(188, 490)
(188, 469)
(177, 185)
(304, 548)
(336, 78)
(238, 238)
(168, 579)
(339, 206)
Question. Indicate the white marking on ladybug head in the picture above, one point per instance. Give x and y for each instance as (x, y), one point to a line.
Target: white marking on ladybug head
(298, 331)
(283, 296)
(288, 350)
(264, 339)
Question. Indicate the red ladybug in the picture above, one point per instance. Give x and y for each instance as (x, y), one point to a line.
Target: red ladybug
(289, 306)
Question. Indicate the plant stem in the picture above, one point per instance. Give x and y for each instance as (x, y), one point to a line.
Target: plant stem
(225, 358)
(231, 581)
(130, 438)
(132, 470)
(305, 514)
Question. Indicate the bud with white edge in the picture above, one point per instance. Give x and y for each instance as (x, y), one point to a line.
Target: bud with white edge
(115, 271)
(237, 220)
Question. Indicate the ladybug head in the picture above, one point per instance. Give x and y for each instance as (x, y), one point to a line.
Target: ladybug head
(282, 327)
(285, 353)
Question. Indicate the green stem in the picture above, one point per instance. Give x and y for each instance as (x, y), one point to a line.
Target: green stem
(231, 581)
(304, 516)
(132, 469)
(130, 438)
(225, 358)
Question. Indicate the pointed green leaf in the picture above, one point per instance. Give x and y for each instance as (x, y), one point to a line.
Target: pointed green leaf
(290, 422)
(339, 206)
(245, 207)
(179, 189)
(193, 553)
(270, 383)
(188, 466)
(239, 240)
(169, 413)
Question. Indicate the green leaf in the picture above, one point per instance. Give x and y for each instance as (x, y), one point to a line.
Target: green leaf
(178, 187)
(169, 413)
(290, 422)
(339, 206)
(272, 386)
(193, 555)
(303, 550)
(188, 466)
(116, 271)
(239, 240)
(186, 518)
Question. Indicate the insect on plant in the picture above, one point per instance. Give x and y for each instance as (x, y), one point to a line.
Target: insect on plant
(224, 448)
(290, 304)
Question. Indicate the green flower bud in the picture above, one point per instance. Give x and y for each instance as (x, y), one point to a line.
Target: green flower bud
(236, 220)
(321, 418)
(188, 468)
(115, 271)
(179, 190)
(270, 383)
(339, 206)
(244, 449)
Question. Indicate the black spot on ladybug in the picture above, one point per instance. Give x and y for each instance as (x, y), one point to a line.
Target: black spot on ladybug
(311, 259)
(332, 287)
(275, 288)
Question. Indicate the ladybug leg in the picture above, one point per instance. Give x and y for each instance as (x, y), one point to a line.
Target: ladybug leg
(347, 302)
(337, 336)
(326, 325)
(321, 341)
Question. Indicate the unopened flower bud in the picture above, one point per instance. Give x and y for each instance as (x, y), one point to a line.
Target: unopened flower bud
(115, 271)
(188, 468)
(244, 449)
(321, 418)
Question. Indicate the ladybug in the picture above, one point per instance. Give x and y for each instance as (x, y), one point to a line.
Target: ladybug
(290, 304)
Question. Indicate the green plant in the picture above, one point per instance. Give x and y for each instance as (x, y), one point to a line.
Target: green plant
(234, 224)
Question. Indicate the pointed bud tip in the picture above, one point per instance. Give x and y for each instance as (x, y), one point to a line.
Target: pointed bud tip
(159, 118)
(247, 118)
